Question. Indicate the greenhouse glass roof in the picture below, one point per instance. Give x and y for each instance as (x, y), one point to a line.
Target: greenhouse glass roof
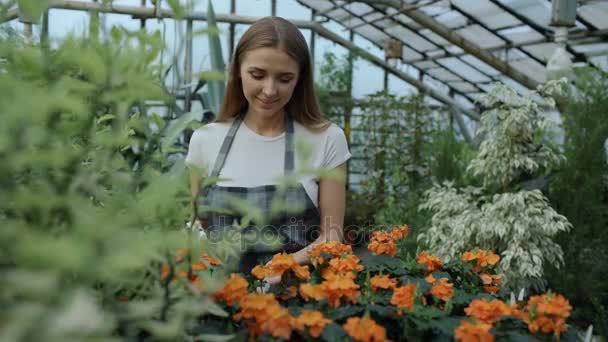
(467, 45)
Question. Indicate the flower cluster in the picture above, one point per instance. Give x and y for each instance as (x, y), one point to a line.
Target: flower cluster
(385, 242)
(340, 282)
(281, 263)
(190, 271)
(547, 313)
(364, 329)
(442, 288)
(481, 258)
(484, 262)
(322, 252)
(433, 263)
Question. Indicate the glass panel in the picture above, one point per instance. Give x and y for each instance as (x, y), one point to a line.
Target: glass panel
(595, 13)
(452, 19)
(292, 9)
(319, 5)
(426, 65)
(464, 70)
(219, 6)
(372, 33)
(359, 8)
(530, 68)
(367, 79)
(259, 8)
(62, 22)
(487, 13)
(443, 74)
(411, 38)
(480, 36)
(464, 87)
(434, 37)
(521, 34)
(409, 54)
(480, 65)
(538, 11)
(542, 51)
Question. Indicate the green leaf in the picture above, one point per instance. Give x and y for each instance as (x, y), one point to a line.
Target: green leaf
(176, 128)
(216, 88)
(344, 312)
(333, 332)
(378, 263)
(215, 337)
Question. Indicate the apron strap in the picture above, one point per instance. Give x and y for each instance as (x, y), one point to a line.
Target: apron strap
(226, 145)
(289, 146)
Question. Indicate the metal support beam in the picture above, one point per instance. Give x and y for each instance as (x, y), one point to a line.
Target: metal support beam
(456, 39)
(149, 12)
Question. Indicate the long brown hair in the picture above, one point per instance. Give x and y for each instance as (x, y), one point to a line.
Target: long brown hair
(278, 33)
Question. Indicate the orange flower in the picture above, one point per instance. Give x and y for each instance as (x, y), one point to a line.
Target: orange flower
(336, 287)
(382, 282)
(318, 254)
(364, 329)
(487, 312)
(433, 263)
(314, 320)
(235, 288)
(382, 243)
(482, 259)
(259, 271)
(444, 290)
(308, 291)
(289, 293)
(490, 282)
(430, 279)
(281, 263)
(210, 260)
(469, 332)
(403, 297)
(547, 313)
(263, 314)
(399, 233)
(345, 264)
(301, 272)
(279, 323)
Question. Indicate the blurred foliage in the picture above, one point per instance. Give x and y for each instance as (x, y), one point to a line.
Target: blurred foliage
(94, 197)
(580, 192)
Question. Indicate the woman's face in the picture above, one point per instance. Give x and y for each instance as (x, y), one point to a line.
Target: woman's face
(269, 77)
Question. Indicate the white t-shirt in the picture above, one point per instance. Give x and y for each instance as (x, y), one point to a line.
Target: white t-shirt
(256, 160)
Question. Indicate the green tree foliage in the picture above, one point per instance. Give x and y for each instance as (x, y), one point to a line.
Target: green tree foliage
(91, 205)
(580, 192)
(519, 224)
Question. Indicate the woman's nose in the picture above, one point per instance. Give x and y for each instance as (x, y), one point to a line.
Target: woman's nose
(270, 88)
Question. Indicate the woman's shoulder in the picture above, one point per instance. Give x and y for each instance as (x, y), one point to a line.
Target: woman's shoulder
(327, 130)
(212, 130)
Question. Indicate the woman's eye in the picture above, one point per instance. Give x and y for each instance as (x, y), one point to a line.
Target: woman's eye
(285, 80)
(257, 76)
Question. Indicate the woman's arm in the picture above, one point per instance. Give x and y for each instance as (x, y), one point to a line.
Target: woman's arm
(332, 198)
(195, 177)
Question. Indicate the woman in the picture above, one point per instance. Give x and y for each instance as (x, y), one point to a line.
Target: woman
(270, 103)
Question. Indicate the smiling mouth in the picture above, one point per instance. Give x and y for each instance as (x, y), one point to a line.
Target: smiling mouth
(267, 102)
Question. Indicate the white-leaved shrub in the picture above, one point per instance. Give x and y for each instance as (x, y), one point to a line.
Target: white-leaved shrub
(501, 216)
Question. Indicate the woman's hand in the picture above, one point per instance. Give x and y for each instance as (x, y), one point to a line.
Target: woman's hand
(268, 281)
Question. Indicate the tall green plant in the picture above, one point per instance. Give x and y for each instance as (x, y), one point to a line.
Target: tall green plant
(580, 192)
(91, 206)
(519, 224)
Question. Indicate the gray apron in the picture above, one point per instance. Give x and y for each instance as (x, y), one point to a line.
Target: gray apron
(293, 229)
